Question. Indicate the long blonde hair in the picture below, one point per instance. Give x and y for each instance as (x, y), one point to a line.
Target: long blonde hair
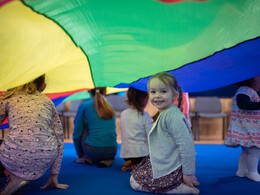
(104, 110)
(29, 88)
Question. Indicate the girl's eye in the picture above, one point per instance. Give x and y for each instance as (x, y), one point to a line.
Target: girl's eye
(164, 91)
(152, 92)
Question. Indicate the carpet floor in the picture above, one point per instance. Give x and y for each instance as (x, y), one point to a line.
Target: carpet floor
(215, 170)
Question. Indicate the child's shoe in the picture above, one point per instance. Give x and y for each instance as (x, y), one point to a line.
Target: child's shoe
(253, 176)
(84, 160)
(14, 185)
(105, 163)
(184, 189)
(241, 173)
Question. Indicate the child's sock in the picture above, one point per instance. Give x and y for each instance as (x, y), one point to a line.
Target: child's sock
(129, 167)
(84, 160)
(184, 189)
(136, 186)
(252, 164)
(127, 163)
(242, 164)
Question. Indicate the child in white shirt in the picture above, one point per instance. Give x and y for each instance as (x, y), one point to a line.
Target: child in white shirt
(135, 125)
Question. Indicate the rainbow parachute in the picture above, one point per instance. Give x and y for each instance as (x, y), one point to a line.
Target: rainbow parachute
(86, 43)
(81, 44)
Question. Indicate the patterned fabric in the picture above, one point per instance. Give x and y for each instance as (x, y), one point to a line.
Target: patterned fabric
(144, 177)
(244, 128)
(35, 142)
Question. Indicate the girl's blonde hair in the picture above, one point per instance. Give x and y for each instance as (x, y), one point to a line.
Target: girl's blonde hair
(29, 88)
(104, 110)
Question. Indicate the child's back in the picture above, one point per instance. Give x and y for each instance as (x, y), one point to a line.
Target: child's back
(30, 147)
(135, 125)
(35, 142)
(134, 132)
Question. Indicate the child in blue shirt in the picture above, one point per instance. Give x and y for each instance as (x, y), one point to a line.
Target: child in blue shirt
(94, 135)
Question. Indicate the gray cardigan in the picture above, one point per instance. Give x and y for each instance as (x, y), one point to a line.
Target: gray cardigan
(171, 144)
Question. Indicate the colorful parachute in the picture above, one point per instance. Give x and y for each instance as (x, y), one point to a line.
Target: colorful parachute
(86, 43)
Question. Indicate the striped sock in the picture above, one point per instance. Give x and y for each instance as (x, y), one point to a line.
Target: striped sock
(129, 167)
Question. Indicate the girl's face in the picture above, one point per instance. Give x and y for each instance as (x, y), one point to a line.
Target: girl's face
(160, 95)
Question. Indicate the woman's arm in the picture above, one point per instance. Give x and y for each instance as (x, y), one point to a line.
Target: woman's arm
(78, 130)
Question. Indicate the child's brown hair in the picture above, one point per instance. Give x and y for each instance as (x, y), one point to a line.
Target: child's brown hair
(137, 98)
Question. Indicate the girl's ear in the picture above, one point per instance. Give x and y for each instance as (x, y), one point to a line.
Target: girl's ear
(41, 89)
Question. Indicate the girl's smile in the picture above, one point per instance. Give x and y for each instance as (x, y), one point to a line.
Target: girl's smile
(158, 102)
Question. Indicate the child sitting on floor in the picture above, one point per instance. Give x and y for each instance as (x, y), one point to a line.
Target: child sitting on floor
(135, 125)
(170, 167)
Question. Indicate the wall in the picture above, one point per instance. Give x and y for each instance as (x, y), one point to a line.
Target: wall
(210, 129)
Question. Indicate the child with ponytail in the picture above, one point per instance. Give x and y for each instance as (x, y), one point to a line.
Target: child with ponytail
(94, 135)
(170, 166)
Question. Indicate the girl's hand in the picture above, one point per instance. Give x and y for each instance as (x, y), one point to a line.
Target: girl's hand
(190, 180)
(53, 182)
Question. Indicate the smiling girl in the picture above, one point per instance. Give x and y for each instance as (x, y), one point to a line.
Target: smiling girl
(170, 167)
